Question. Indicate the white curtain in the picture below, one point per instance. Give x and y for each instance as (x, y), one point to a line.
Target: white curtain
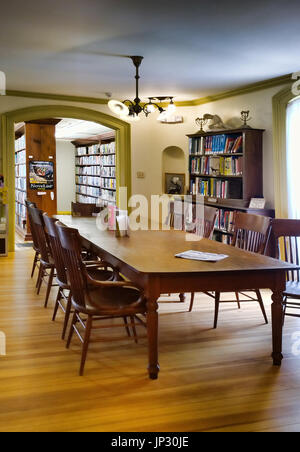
(293, 157)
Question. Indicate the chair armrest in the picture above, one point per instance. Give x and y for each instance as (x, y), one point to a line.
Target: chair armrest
(103, 284)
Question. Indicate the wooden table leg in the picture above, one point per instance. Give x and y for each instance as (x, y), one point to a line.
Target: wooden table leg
(152, 295)
(277, 325)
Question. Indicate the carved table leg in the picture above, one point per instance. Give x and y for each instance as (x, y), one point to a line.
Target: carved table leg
(152, 328)
(277, 324)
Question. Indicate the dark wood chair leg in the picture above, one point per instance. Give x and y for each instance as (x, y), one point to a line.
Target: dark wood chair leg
(134, 329)
(40, 278)
(34, 263)
(182, 297)
(192, 301)
(50, 281)
(126, 326)
(67, 315)
(58, 298)
(261, 304)
(74, 321)
(86, 342)
(217, 305)
(237, 296)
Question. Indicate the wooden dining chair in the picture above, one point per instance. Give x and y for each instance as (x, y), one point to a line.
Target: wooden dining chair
(34, 238)
(47, 266)
(287, 234)
(251, 233)
(80, 209)
(97, 270)
(92, 298)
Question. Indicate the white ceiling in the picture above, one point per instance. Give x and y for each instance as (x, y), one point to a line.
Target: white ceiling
(191, 48)
(72, 129)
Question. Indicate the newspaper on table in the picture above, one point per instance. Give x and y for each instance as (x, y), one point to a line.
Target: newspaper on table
(201, 256)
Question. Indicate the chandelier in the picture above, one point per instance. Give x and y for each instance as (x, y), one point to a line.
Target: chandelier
(130, 110)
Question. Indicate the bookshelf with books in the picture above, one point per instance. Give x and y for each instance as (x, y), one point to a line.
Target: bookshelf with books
(96, 181)
(226, 168)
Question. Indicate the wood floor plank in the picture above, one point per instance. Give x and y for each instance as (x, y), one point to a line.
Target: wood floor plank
(210, 380)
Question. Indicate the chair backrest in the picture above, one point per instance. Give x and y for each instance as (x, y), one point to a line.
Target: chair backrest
(205, 226)
(287, 234)
(56, 248)
(31, 224)
(41, 237)
(84, 210)
(71, 252)
(251, 232)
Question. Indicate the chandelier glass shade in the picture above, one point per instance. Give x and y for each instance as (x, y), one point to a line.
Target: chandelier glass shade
(130, 109)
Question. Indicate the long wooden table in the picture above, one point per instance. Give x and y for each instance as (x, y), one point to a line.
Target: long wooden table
(147, 259)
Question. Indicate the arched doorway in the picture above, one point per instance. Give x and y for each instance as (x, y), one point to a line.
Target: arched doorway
(123, 148)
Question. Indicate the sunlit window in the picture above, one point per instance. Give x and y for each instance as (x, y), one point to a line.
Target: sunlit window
(293, 157)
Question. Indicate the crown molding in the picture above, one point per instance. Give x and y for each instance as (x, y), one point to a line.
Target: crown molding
(62, 97)
(265, 84)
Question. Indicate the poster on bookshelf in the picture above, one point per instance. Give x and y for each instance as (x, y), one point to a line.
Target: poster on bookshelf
(41, 175)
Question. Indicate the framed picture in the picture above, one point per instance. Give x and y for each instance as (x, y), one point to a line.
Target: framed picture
(174, 183)
(41, 175)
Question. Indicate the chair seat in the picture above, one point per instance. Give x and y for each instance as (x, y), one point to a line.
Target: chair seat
(101, 275)
(292, 289)
(112, 301)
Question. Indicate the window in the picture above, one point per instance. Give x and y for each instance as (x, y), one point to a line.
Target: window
(293, 157)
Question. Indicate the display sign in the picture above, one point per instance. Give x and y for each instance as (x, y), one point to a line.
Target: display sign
(41, 175)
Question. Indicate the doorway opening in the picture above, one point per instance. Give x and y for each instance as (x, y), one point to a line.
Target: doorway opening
(120, 128)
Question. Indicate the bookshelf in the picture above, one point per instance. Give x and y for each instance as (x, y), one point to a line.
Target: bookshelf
(95, 162)
(34, 142)
(226, 167)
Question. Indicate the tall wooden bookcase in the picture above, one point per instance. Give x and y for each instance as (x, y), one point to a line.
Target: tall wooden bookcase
(35, 141)
(96, 181)
(226, 167)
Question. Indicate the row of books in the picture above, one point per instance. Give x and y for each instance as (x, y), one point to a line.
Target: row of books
(21, 183)
(108, 148)
(96, 181)
(20, 170)
(20, 196)
(216, 188)
(20, 143)
(106, 171)
(220, 144)
(21, 210)
(20, 157)
(85, 199)
(216, 166)
(91, 191)
(96, 160)
(224, 220)
(108, 195)
(84, 150)
(219, 237)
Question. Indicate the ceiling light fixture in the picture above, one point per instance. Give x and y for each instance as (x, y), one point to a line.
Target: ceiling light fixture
(130, 110)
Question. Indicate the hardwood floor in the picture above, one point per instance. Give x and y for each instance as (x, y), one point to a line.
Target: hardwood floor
(210, 380)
